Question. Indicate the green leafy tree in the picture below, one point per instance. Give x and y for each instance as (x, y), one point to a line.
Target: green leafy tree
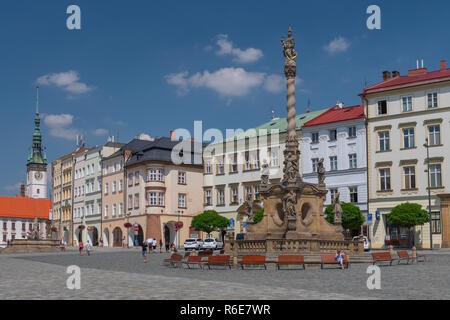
(407, 215)
(209, 221)
(352, 218)
(258, 215)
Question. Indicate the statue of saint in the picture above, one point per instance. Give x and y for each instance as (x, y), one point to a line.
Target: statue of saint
(337, 209)
(289, 204)
(249, 209)
(288, 46)
(321, 172)
(265, 174)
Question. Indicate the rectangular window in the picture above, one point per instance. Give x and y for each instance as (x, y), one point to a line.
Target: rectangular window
(181, 200)
(153, 199)
(315, 137)
(114, 187)
(384, 140)
(408, 138)
(106, 210)
(333, 193)
(181, 177)
(256, 160)
(208, 197)
(151, 175)
(407, 104)
(220, 197)
(136, 178)
(161, 199)
(410, 177)
(114, 212)
(436, 222)
(333, 163)
(432, 100)
(435, 176)
(382, 107)
(234, 167)
(208, 167)
(434, 135)
(106, 188)
(120, 164)
(315, 161)
(161, 175)
(136, 200)
(130, 179)
(248, 193)
(333, 135)
(256, 189)
(352, 132)
(130, 201)
(106, 168)
(234, 194)
(120, 185)
(352, 160)
(99, 208)
(274, 158)
(385, 179)
(353, 194)
(120, 209)
(248, 165)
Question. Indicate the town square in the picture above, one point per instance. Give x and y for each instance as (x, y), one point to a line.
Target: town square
(225, 152)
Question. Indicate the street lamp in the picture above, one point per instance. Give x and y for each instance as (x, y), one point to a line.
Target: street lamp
(426, 145)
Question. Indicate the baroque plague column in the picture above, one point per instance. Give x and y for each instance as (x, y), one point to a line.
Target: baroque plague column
(293, 209)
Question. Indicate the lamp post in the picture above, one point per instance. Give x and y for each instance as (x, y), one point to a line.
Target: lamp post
(426, 145)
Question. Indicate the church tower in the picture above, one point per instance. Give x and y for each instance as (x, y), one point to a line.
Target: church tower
(37, 161)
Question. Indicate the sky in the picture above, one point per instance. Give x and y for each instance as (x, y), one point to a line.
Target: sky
(145, 66)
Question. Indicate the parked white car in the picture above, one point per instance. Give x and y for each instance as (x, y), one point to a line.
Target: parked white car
(193, 243)
(212, 243)
(366, 242)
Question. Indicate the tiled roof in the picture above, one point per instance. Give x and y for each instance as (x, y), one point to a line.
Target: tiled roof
(414, 78)
(337, 114)
(24, 207)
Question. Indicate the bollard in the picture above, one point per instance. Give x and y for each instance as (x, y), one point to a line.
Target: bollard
(414, 254)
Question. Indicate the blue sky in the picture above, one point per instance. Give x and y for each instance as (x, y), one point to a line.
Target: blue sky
(152, 66)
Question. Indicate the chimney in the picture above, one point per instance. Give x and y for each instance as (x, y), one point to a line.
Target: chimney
(22, 190)
(443, 67)
(395, 74)
(173, 136)
(386, 75)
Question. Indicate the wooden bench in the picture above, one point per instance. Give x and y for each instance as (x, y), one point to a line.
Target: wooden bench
(174, 260)
(285, 260)
(206, 253)
(404, 255)
(222, 260)
(253, 260)
(193, 260)
(382, 257)
(331, 259)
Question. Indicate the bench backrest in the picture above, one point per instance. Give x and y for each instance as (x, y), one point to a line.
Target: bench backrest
(291, 259)
(403, 254)
(187, 254)
(176, 257)
(331, 258)
(253, 259)
(381, 256)
(219, 259)
(205, 253)
(192, 259)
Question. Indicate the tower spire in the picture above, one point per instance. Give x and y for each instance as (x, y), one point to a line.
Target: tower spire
(36, 156)
(37, 99)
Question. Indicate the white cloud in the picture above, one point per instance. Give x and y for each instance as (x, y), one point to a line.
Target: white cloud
(68, 81)
(339, 44)
(227, 82)
(100, 132)
(14, 187)
(240, 56)
(59, 125)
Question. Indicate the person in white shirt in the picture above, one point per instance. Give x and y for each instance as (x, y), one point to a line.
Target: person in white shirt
(150, 244)
(154, 244)
(88, 248)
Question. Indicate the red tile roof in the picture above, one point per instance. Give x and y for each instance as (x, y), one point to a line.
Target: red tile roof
(24, 207)
(414, 78)
(336, 114)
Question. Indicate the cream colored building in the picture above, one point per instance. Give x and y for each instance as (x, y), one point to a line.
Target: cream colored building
(402, 111)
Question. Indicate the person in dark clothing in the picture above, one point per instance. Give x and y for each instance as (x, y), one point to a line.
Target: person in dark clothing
(167, 246)
(160, 245)
(144, 250)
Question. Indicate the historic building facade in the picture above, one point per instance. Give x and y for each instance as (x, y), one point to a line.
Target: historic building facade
(338, 136)
(232, 168)
(402, 112)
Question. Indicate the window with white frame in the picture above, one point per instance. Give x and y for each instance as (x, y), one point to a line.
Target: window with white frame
(248, 165)
(161, 199)
(383, 137)
(120, 185)
(130, 179)
(234, 167)
(114, 212)
(106, 210)
(130, 201)
(315, 162)
(234, 194)
(432, 99)
(248, 192)
(106, 188)
(409, 174)
(315, 137)
(353, 194)
(352, 132)
(114, 167)
(181, 200)
(208, 197)
(382, 107)
(256, 189)
(220, 196)
(333, 193)
(114, 187)
(385, 179)
(161, 174)
(333, 134)
(208, 167)
(220, 169)
(274, 158)
(136, 178)
(434, 135)
(435, 176)
(136, 200)
(407, 104)
(99, 208)
(333, 163)
(256, 160)
(181, 177)
(408, 138)
(352, 159)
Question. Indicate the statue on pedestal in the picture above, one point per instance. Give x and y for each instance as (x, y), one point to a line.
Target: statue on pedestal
(337, 209)
(265, 174)
(249, 209)
(34, 234)
(321, 172)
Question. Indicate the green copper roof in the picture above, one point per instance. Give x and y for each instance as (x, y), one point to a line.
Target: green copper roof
(278, 124)
(36, 156)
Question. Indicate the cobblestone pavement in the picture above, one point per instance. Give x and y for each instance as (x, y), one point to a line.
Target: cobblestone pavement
(121, 274)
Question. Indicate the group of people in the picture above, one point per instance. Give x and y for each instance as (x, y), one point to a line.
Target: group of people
(150, 245)
(87, 248)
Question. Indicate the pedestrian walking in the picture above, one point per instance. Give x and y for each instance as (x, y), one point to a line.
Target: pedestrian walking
(154, 244)
(80, 247)
(144, 251)
(167, 245)
(123, 242)
(160, 245)
(88, 248)
(150, 244)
